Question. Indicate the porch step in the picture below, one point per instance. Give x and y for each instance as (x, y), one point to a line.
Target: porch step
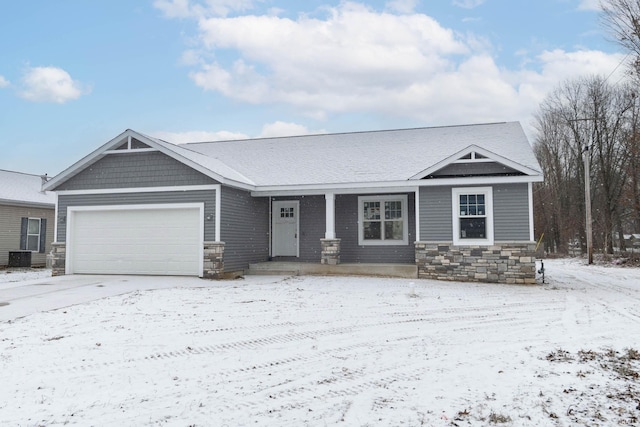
(408, 271)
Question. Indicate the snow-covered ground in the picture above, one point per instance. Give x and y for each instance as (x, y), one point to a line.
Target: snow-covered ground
(322, 351)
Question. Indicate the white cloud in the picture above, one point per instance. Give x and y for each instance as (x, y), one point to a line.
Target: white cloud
(50, 84)
(279, 128)
(3, 82)
(197, 136)
(356, 59)
(468, 4)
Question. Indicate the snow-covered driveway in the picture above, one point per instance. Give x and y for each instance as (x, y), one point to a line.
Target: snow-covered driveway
(334, 351)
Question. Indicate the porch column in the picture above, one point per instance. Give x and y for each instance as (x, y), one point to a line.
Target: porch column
(330, 245)
(330, 216)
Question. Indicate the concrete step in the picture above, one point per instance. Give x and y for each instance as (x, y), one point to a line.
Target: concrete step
(409, 271)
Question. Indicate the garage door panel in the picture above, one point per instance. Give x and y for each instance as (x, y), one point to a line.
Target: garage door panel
(159, 241)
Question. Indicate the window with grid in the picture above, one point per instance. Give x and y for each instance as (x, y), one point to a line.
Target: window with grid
(383, 220)
(472, 215)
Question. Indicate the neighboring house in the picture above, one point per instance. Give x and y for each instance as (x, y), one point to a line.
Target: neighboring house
(26, 217)
(456, 202)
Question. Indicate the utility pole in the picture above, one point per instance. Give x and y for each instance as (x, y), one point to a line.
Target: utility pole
(587, 194)
(587, 203)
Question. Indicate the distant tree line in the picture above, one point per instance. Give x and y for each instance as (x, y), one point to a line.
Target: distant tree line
(591, 116)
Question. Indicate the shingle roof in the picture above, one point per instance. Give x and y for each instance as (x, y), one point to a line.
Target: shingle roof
(377, 156)
(18, 188)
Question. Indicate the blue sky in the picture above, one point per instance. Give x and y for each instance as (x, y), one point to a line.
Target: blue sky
(74, 74)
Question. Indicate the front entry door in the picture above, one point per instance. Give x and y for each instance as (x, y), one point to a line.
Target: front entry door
(285, 226)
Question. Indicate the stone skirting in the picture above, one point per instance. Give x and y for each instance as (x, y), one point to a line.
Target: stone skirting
(213, 267)
(330, 251)
(512, 262)
(58, 258)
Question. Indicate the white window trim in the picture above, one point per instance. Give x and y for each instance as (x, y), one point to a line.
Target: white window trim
(37, 250)
(455, 212)
(389, 198)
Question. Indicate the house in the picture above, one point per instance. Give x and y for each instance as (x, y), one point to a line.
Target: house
(26, 213)
(455, 202)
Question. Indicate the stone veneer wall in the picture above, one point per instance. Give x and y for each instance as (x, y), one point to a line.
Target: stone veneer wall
(213, 260)
(512, 262)
(58, 257)
(330, 251)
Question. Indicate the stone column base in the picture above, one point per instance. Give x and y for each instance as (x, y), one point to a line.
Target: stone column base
(58, 258)
(213, 267)
(330, 251)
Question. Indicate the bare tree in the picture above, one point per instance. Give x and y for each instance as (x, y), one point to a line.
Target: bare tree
(585, 117)
(622, 19)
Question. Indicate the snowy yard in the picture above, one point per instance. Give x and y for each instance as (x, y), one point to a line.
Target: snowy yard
(335, 351)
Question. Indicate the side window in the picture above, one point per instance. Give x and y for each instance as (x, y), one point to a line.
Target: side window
(472, 215)
(32, 234)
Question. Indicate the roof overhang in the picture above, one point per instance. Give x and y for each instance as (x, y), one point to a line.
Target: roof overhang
(388, 186)
(7, 202)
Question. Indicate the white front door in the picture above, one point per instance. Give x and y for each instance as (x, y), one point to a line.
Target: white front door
(285, 224)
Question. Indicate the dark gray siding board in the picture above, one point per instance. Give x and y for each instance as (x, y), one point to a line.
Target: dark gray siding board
(347, 230)
(435, 214)
(312, 224)
(511, 212)
(206, 196)
(244, 228)
(129, 170)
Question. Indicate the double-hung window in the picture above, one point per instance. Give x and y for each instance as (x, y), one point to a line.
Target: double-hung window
(383, 220)
(472, 215)
(32, 234)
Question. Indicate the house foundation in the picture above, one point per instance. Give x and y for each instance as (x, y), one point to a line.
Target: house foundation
(213, 267)
(58, 258)
(512, 263)
(330, 251)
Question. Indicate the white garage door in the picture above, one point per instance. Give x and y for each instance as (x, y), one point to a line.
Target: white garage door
(158, 241)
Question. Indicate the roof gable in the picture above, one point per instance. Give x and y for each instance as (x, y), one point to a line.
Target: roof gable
(132, 142)
(474, 155)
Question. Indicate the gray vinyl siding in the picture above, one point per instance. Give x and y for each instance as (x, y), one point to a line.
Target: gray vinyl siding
(347, 223)
(312, 224)
(511, 212)
(162, 197)
(130, 170)
(244, 228)
(10, 220)
(435, 214)
(475, 169)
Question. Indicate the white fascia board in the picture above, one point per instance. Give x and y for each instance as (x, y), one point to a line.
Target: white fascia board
(394, 186)
(474, 148)
(141, 190)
